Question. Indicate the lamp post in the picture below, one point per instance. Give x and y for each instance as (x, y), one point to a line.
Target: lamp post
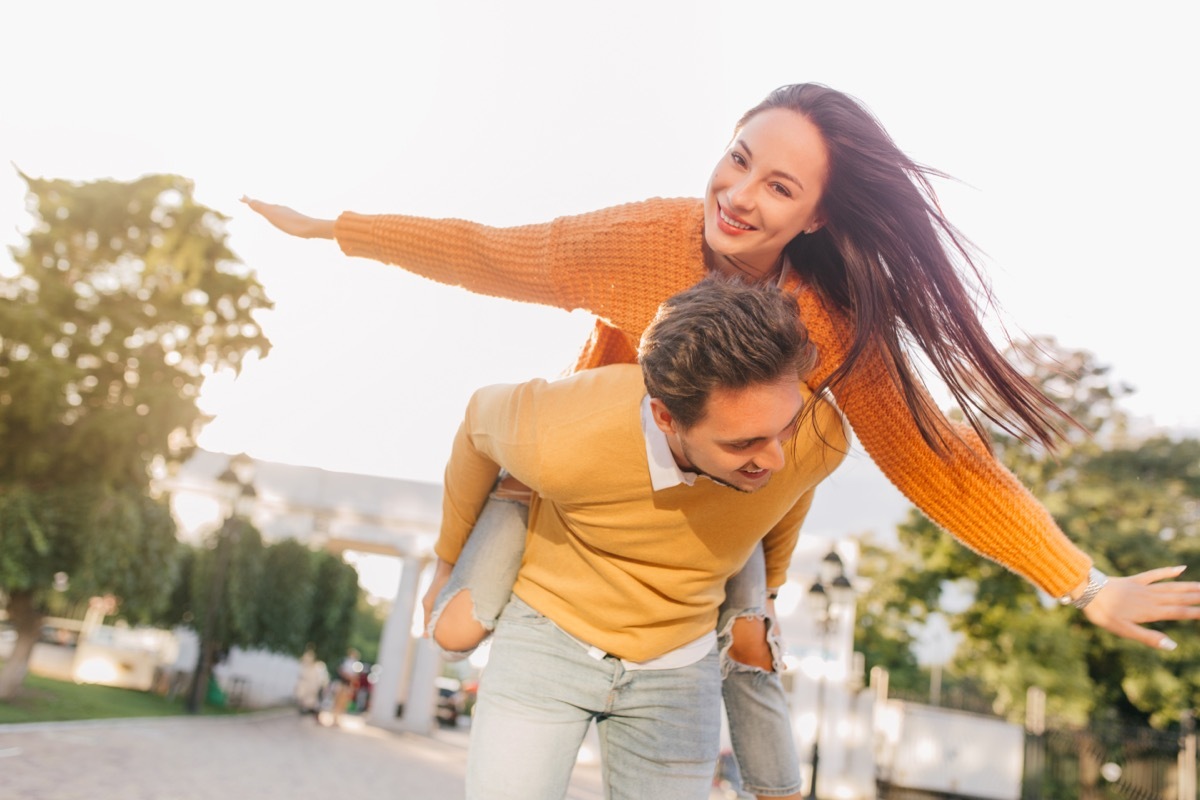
(237, 486)
(827, 598)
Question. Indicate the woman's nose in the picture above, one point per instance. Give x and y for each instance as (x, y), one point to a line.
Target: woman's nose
(740, 196)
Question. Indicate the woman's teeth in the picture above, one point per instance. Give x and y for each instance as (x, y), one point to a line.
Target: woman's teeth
(734, 223)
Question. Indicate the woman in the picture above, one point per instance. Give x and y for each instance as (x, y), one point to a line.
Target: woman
(811, 193)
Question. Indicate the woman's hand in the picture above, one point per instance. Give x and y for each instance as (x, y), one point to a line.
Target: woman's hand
(440, 576)
(291, 221)
(1123, 603)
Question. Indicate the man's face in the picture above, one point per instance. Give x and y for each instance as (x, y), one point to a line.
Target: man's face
(740, 440)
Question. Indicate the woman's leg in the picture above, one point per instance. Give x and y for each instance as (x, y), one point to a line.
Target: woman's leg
(760, 725)
(481, 582)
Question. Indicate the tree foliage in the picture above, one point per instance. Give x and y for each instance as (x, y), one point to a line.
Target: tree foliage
(883, 632)
(335, 597)
(285, 597)
(122, 299)
(369, 622)
(1132, 504)
(126, 297)
(279, 597)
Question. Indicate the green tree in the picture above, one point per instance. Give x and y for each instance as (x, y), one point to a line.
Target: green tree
(1131, 504)
(278, 597)
(231, 564)
(883, 631)
(369, 621)
(335, 596)
(122, 299)
(285, 597)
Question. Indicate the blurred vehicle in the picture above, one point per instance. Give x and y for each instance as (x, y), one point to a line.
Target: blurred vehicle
(470, 688)
(129, 658)
(451, 701)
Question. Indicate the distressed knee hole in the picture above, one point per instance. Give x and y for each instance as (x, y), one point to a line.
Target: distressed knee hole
(749, 645)
(456, 628)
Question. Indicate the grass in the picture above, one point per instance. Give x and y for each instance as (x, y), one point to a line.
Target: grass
(45, 700)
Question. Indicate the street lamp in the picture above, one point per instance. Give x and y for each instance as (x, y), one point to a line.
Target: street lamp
(829, 595)
(237, 487)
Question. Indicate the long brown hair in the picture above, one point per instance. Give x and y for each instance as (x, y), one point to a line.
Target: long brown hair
(887, 257)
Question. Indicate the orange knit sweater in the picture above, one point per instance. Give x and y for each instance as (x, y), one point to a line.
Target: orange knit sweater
(619, 263)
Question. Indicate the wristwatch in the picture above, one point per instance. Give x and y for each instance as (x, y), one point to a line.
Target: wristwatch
(1096, 581)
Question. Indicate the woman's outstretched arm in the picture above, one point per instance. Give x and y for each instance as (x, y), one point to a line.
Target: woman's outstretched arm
(618, 263)
(982, 504)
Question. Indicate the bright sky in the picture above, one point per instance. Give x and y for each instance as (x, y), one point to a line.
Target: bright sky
(1070, 126)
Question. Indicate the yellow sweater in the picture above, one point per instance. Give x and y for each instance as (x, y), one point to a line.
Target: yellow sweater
(620, 263)
(612, 562)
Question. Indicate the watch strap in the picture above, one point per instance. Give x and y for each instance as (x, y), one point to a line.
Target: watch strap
(1096, 581)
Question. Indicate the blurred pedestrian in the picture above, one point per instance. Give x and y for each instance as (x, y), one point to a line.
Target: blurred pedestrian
(346, 685)
(311, 683)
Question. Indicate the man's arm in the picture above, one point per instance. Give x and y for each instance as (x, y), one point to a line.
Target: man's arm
(497, 431)
(780, 541)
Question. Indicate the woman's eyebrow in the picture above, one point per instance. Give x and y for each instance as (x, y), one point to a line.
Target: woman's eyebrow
(789, 176)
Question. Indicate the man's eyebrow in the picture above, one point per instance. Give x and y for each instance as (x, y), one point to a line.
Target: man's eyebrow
(779, 172)
(794, 420)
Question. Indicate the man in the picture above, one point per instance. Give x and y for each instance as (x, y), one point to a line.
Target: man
(652, 487)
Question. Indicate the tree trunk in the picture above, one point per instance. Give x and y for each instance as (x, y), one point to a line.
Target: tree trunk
(26, 619)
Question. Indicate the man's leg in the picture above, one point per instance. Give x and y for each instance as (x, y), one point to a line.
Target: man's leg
(660, 734)
(760, 725)
(536, 699)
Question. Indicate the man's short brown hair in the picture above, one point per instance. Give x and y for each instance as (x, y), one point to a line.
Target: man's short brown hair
(722, 333)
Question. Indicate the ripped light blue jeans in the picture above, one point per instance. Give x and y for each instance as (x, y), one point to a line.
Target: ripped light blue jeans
(760, 727)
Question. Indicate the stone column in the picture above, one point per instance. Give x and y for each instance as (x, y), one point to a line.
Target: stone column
(422, 692)
(394, 646)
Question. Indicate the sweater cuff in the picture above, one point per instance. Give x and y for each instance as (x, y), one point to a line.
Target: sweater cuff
(1062, 571)
(447, 549)
(353, 233)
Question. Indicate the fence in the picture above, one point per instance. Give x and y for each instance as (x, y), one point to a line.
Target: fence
(1101, 762)
(1111, 762)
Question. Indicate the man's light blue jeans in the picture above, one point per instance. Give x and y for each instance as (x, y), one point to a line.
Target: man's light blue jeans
(659, 730)
(760, 726)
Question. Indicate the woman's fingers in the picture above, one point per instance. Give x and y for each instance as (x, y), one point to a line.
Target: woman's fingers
(1146, 636)
(290, 221)
(1160, 574)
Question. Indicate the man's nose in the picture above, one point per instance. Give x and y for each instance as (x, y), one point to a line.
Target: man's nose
(771, 456)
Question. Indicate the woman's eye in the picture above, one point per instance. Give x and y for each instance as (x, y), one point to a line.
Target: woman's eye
(738, 159)
(780, 189)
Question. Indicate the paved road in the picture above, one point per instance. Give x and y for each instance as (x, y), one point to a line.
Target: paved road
(274, 756)
(268, 756)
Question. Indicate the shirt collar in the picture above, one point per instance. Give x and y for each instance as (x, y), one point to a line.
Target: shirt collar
(664, 472)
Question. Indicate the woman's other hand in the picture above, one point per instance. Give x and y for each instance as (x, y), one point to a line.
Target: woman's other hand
(1124, 603)
(291, 221)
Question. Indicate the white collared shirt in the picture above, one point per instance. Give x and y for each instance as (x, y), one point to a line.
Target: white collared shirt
(664, 472)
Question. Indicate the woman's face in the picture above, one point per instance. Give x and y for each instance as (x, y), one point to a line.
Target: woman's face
(766, 189)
